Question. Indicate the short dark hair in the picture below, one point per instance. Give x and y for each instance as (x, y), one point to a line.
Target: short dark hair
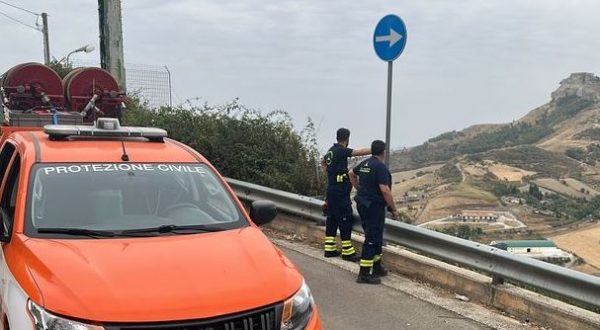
(377, 148)
(342, 134)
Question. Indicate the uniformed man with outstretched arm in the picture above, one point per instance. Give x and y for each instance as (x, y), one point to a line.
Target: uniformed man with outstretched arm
(372, 180)
(339, 205)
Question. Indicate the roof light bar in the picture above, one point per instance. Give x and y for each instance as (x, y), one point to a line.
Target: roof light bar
(104, 127)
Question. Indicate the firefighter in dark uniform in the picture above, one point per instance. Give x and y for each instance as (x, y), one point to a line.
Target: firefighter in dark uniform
(339, 206)
(372, 180)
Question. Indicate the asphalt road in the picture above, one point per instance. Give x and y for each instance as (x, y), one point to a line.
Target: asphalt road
(344, 304)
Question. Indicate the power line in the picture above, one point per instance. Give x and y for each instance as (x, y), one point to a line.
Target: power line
(20, 8)
(18, 21)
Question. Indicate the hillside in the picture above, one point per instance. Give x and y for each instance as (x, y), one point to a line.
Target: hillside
(571, 120)
(536, 177)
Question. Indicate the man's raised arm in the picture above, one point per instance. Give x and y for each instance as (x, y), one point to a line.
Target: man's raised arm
(361, 152)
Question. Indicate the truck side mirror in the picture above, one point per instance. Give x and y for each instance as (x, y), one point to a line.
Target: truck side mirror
(263, 212)
(4, 229)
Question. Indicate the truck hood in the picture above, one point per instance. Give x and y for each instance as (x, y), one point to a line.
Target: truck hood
(164, 278)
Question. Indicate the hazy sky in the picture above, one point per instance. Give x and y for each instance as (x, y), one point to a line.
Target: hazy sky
(465, 62)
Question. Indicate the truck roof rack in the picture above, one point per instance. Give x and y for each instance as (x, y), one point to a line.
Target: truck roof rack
(104, 127)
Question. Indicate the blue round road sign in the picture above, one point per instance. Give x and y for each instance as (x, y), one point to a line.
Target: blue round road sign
(389, 38)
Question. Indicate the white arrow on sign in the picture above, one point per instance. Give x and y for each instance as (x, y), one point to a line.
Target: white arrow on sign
(392, 38)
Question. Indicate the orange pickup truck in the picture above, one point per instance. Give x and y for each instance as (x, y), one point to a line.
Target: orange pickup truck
(116, 228)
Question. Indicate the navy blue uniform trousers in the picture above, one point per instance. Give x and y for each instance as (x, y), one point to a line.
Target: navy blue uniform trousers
(373, 220)
(339, 211)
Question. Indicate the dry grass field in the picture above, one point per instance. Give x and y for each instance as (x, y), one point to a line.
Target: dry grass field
(473, 171)
(585, 243)
(465, 190)
(417, 183)
(509, 173)
(407, 175)
(571, 188)
(535, 222)
(578, 185)
(462, 196)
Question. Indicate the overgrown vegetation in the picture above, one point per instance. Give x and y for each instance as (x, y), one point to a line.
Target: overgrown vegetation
(576, 153)
(499, 189)
(566, 209)
(506, 136)
(449, 173)
(590, 155)
(590, 133)
(565, 108)
(242, 142)
(446, 136)
(531, 158)
(60, 68)
(463, 231)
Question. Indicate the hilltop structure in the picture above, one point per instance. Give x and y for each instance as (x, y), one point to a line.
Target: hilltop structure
(582, 84)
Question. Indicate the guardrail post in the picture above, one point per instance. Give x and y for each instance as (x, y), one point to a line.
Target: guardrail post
(497, 279)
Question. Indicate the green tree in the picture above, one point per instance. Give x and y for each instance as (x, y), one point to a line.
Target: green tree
(60, 68)
(576, 153)
(535, 192)
(463, 231)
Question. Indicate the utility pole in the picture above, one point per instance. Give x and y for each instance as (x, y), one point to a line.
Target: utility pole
(46, 38)
(111, 39)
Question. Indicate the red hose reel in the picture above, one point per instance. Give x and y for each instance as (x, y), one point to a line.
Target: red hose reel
(93, 92)
(33, 88)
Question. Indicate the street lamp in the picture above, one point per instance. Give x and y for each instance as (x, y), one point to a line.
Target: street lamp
(86, 49)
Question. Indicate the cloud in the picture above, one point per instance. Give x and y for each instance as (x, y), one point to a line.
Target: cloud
(465, 62)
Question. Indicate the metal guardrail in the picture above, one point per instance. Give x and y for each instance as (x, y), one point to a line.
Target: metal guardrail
(496, 262)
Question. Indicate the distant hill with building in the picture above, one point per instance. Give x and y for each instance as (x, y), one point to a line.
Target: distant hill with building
(570, 120)
(543, 168)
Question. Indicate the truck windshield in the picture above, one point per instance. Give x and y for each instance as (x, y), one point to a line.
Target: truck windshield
(127, 199)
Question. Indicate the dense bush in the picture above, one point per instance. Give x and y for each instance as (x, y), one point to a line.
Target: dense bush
(449, 173)
(242, 143)
(566, 208)
(545, 163)
(446, 136)
(60, 68)
(506, 136)
(590, 155)
(446, 148)
(566, 108)
(499, 189)
(590, 133)
(463, 231)
(575, 153)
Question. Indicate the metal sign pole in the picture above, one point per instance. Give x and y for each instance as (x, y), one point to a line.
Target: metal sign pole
(389, 40)
(389, 114)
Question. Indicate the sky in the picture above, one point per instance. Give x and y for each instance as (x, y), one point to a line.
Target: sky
(466, 61)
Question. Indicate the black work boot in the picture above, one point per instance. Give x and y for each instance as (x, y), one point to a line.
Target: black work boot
(365, 277)
(351, 257)
(379, 270)
(331, 254)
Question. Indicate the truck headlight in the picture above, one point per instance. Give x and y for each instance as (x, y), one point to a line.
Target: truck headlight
(298, 309)
(42, 320)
